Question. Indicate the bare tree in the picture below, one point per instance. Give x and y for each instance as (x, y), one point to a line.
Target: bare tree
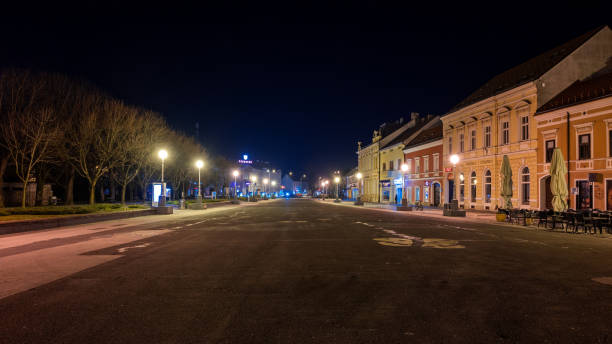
(94, 137)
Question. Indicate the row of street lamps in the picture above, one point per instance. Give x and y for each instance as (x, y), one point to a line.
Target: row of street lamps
(163, 154)
(253, 178)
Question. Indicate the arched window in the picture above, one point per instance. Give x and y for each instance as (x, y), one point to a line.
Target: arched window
(487, 186)
(461, 188)
(525, 186)
(473, 186)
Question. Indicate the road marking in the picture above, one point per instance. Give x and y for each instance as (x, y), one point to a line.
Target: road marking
(189, 224)
(396, 242)
(179, 227)
(123, 249)
(441, 243)
(603, 280)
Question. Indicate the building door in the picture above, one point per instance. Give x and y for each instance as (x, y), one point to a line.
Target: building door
(451, 190)
(609, 195)
(548, 196)
(584, 199)
(436, 195)
(399, 195)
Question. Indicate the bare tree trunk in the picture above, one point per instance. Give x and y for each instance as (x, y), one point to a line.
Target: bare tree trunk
(92, 194)
(113, 193)
(24, 193)
(3, 164)
(102, 199)
(123, 187)
(144, 193)
(70, 188)
(40, 185)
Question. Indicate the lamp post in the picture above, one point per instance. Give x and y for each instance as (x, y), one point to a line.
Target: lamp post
(404, 169)
(199, 165)
(337, 181)
(273, 183)
(265, 181)
(454, 159)
(235, 173)
(359, 176)
(163, 154)
(253, 180)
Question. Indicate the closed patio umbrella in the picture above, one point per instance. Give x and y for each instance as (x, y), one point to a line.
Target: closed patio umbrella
(506, 191)
(558, 184)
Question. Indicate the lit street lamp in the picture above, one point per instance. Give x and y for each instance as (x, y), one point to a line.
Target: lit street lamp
(337, 181)
(235, 173)
(253, 180)
(199, 165)
(163, 154)
(454, 159)
(404, 169)
(265, 181)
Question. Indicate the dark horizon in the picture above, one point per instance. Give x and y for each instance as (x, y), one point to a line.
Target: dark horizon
(297, 87)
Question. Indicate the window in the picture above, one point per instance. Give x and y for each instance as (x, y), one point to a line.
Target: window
(584, 146)
(436, 162)
(426, 163)
(550, 147)
(461, 142)
(525, 128)
(487, 186)
(525, 186)
(417, 165)
(487, 136)
(473, 186)
(399, 164)
(450, 144)
(417, 194)
(391, 165)
(505, 133)
(409, 163)
(384, 166)
(473, 139)
(610, 143)
(461, 187)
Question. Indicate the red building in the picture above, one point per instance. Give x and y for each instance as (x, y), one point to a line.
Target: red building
(424, 179)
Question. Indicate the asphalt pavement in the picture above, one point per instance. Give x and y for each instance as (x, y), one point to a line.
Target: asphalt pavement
(303, 271)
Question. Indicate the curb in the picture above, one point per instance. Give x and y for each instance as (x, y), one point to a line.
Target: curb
(33, 225)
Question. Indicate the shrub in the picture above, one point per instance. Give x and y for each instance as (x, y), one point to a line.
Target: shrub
(4, 212)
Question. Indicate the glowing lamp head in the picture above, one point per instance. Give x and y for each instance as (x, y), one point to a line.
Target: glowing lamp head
(199, 164)
(254, 178)
(461, 177)
(336, 180)
(265, 180)
(273, 182)
(359, 175)
(322, 183)
(235, 173)
(404, 167)
(454, 159)
(163, 154)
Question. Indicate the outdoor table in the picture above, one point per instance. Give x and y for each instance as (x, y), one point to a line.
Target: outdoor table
(598, 222)
(556, 218)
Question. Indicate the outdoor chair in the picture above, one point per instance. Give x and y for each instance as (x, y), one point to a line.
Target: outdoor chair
(568, 221)
(583, 221)
(542, 218)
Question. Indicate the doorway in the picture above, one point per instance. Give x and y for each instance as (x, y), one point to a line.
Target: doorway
(451, 190)
(436, 195)
(584, 199)
(546, 195)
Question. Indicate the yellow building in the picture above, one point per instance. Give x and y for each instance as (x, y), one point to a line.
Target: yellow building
(497, 120)
(582, 113)
(369, 160)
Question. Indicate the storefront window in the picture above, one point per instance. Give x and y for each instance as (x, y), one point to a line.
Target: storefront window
(461, 188)
(473, 186)
(487, 186)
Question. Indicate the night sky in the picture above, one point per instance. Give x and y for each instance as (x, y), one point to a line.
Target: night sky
(294, 85)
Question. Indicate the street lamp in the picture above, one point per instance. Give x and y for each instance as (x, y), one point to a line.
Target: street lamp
(235, 173)
(454, 159)
(404, 169)
(337, 181)
(273, 185)
(163, 154)
(265, 181)
(253, 179)
(199, 165)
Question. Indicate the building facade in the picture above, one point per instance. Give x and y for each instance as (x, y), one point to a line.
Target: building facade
(498, 120)
(579, 122)
(424, 180)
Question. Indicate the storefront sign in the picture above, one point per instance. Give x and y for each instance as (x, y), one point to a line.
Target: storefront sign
(596, 177)
(386, 184)
(448, 169)
(397, 181)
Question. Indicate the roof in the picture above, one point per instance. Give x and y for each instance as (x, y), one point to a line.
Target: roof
(420, 122)
(525, 72)
(596, 87)
(428, 135)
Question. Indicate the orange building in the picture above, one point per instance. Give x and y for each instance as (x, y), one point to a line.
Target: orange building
(579, 122)
(424, 179)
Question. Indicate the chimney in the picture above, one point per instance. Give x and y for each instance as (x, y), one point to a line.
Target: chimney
(401, 120)
(414, 116)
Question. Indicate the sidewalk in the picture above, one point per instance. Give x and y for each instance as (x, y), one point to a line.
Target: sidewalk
(471, 216)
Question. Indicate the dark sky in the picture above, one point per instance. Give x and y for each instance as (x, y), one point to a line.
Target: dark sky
(297, 85)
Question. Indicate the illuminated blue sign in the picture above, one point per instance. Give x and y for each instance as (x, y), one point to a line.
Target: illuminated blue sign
(245, 157)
